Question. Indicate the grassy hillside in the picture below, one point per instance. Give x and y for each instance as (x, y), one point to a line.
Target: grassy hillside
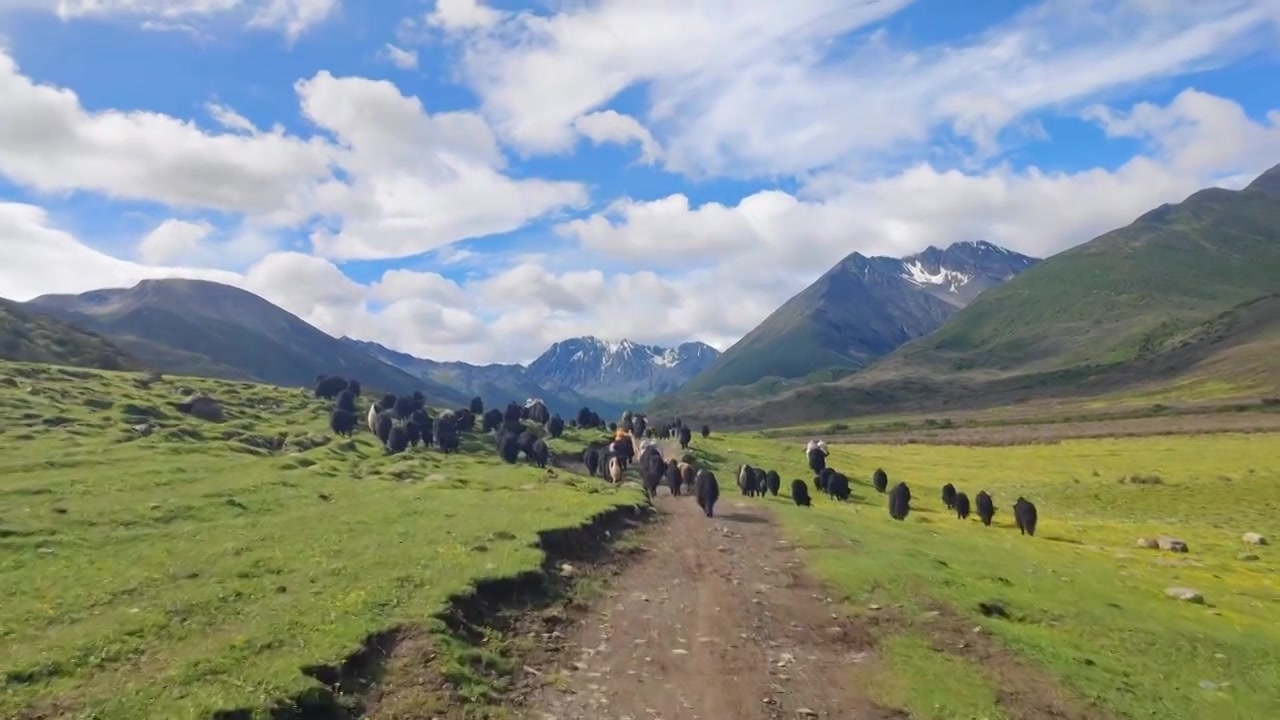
(35, 337)
(1116, 313)
(1120, 296)
(155, 565)
(1084, 605)
(206, 329)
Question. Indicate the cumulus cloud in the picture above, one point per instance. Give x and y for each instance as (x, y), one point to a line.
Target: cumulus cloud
(412, 181)
(462, 15)
(753, 89)
(610, 126)
(1196, 140)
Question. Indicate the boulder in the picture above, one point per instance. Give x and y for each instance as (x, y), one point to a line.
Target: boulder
(1254, 538)
(1185, 594)
(1148, 543)
(1171, 544)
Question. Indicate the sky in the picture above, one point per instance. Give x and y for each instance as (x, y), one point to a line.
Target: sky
(476, 179)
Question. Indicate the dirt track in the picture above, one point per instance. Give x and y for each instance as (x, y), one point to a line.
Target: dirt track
(715, 621)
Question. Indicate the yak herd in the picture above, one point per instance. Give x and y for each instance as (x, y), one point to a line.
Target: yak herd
(404, 422)
(836, 485)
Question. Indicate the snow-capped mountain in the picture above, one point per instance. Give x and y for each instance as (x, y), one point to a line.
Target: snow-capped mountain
(963, 270)
(606, 376)
(862, 309)
(620, 371)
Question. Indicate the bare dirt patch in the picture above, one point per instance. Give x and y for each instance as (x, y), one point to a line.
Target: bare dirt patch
(716, 620)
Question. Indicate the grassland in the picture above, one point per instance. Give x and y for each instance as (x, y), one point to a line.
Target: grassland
(155, 565)
(1086, 607)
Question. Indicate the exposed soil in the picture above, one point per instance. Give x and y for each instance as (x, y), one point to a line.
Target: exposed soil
(715, 621)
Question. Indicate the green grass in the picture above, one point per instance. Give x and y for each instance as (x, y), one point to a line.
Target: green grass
(200, 567)
(1087, 605)
(35, 337)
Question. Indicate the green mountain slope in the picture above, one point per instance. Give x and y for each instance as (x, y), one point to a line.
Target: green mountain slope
(1120, 311)
(201, 328)
(36, 337)
(1119, 296)
(859, 310)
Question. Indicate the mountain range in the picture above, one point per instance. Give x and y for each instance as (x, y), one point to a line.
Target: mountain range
(1187, 295)
(861, 309)
(203, 328)
(1187, 292)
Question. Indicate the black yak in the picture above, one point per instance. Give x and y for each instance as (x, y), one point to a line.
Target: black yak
(838, 486)
(346, 400)
(639, 424)
(398, 438)
(422, 424)
(329, 387)
(541, 453)
(800, 493)
(686, 436)
(508, 447)
(491, 420)
(817, 460)
(706, 431)
(382, 425)
(706, 490)
(652, 468)
(404, 406)
(527, 440)
(513, 414)
(962, 506)
(824, 479)
(899, 501)
(342, 422)
(555, 426)
(538, 412)
(880, 480)
(986, 509)
(387, 402)
(672, 476)
(1024, 513)
(477, 406)
(773, 482)
(591, 459)
(354, 386)
(949, 496)
(414, 426)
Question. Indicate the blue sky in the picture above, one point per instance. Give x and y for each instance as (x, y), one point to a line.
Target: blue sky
(706, 160)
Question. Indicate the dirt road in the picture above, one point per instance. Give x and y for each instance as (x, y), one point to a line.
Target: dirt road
(715, 621)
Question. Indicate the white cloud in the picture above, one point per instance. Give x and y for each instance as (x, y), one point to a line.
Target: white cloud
(289, 17)
(419, 181)
(401, 58)
(1197, 140)
(228, 118)
(50, 143)
(171, 240)
(199, 244)
(610, 126)
(413, 181)
(751, 88)
(462, 15)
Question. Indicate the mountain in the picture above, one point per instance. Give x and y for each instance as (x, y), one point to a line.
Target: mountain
(39, 338)
(861, 309)
(202, 328)
(620, 372)
(1184, 293)
(496, 384)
